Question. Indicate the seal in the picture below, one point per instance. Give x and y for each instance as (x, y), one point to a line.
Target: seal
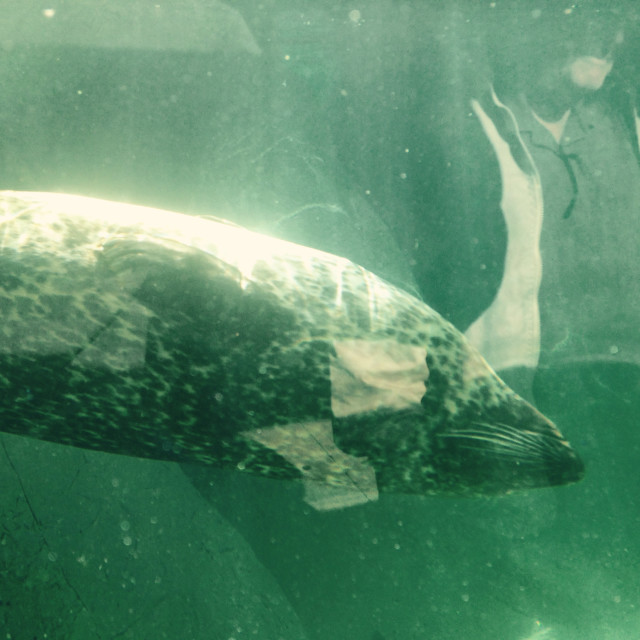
(155, 334)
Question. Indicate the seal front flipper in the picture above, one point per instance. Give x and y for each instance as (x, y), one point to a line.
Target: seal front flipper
(177, 283)
(332, 479)
(130, 265)
(131, 258)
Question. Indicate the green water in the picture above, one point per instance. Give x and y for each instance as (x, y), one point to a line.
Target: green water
(336, 125)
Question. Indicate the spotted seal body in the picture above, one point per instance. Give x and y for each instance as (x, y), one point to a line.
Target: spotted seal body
(160, 335)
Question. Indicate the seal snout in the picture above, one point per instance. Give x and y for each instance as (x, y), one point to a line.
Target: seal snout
(497, 457)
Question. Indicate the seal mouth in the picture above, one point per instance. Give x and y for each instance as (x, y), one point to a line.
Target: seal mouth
(497, 458)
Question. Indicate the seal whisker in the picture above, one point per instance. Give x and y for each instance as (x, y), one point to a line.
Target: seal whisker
(501, 448)
(532, 463)
(506, 439)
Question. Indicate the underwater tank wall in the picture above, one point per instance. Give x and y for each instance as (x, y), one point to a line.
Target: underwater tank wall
(370, 131)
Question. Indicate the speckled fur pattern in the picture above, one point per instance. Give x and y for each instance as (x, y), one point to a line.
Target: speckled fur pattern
(156, 334)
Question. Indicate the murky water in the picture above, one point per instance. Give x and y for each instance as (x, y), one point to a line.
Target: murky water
(348, 127)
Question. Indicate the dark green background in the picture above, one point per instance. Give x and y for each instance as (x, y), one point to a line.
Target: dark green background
(345, 133)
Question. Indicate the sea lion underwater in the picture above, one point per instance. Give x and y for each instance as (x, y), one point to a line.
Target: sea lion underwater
(161, 335)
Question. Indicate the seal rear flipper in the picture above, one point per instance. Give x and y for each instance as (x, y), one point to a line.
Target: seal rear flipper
(332, 478)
